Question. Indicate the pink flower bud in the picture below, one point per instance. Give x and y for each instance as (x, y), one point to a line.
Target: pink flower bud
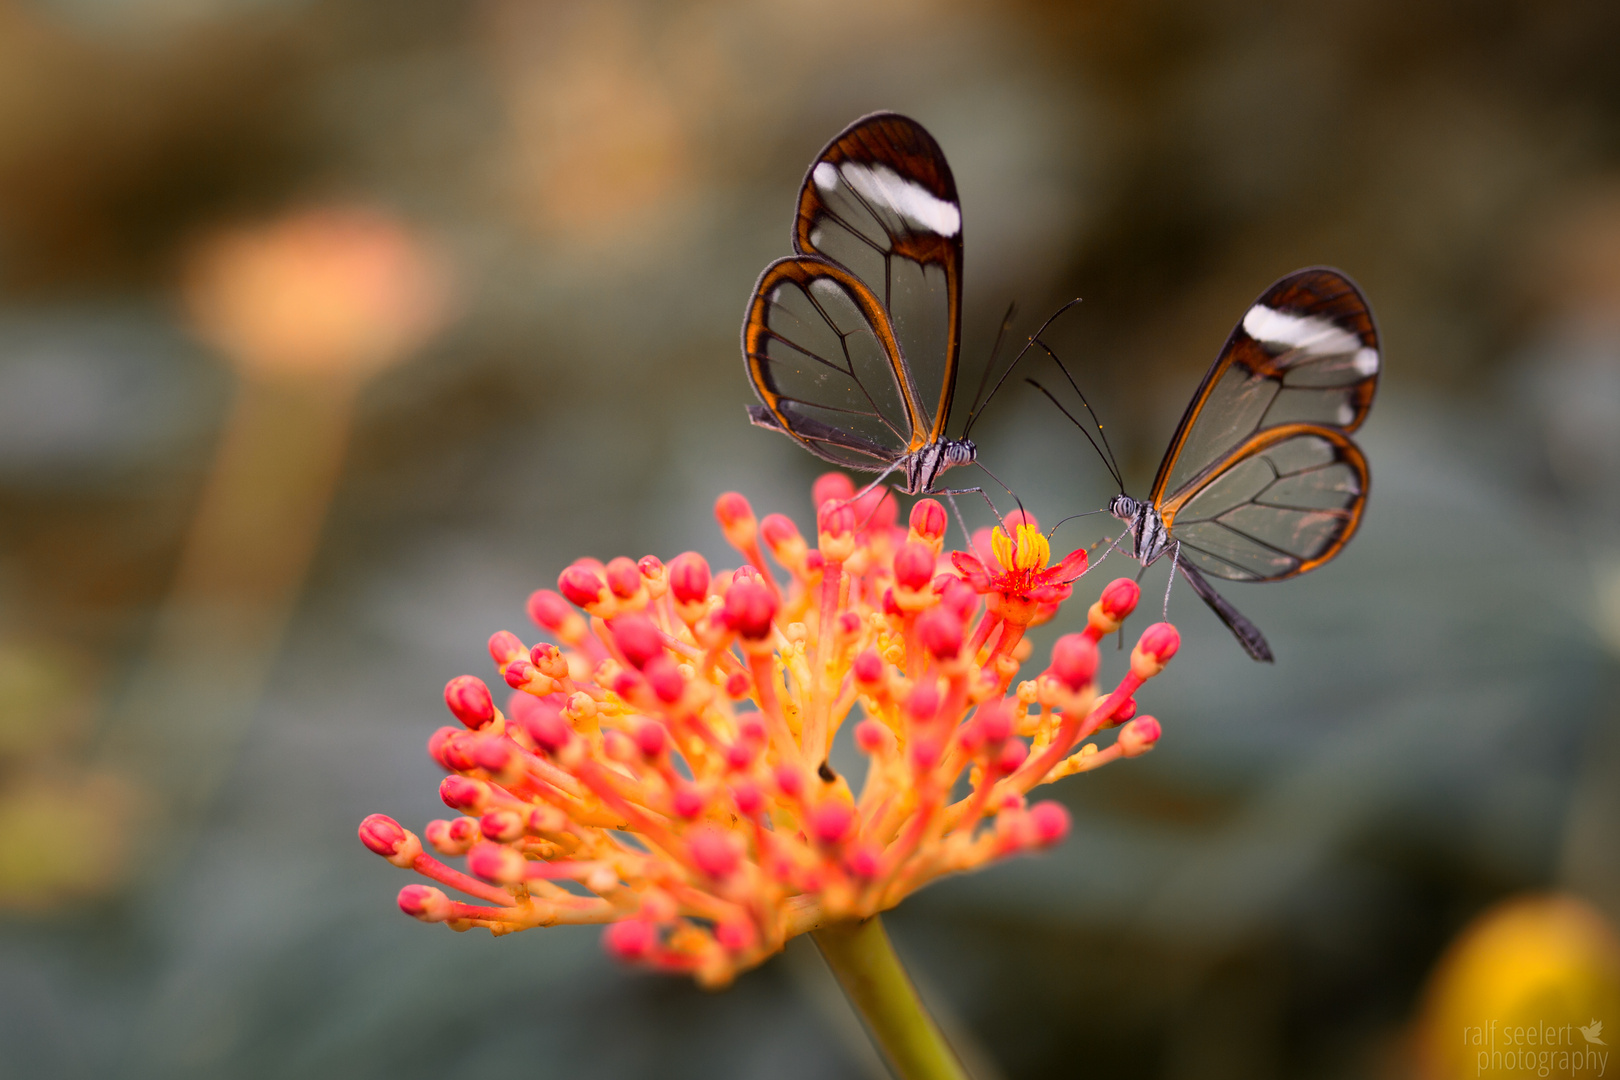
(878, 510)
(995, 721)
(1139, 736)
(518, 673)
(689, 802)
(424, 902)
(651, 567)
(831, 821)
(623, 577)
(958, 597)
(832, 485)
(630, 939)
(546, 726)
(749, 799)
(940, 630)
(752, 728)
(868, 669)
(740, 755)
(638, 638)
(383, 835)
(790, 781)
(1123, 711)
(469, 701)
(713, 852)
(504, 647)
(928, 520)
(734, 935)
(835, 520)
(814, 563)
(891, 605)
(1074, 661)
(779, 531)
(492, 754)
(736, 519)
(581, 586)
(548, 610)
(737, 685)
(492, 862)
(665, 678)
(1119, 598)
(865, 861)
(439, 748)
(923, 701)
(750, 607)
(1013, 753)
(925, 752)
(464, 793)
(849, 624)
(1049, 821)
(1160, 641)
(501, 826)
(689, 577)
(549, 660)
(914, 566)
(873, 736)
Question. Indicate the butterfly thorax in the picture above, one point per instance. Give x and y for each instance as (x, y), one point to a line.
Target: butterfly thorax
(924, 466)
(1149, 537)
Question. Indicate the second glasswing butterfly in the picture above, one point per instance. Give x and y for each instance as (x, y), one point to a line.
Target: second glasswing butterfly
(1261, 481)
(852, 343)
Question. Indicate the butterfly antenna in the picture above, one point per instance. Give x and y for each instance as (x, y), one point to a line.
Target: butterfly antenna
(1034, 339)
(990, 365)
(1107, 464)
(1074, 517)
(1113, 461)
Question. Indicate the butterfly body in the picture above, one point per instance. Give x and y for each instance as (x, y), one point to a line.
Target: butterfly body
(852, 342)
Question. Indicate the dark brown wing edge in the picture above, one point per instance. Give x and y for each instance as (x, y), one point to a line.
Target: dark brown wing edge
(1316, 290)
(895, 140)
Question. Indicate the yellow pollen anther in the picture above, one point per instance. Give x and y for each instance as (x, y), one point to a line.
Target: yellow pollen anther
(1029, 552)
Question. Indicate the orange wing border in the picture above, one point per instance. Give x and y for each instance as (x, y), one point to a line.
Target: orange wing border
(1346, 451)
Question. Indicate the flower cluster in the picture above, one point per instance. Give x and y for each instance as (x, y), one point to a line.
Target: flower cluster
(662, 766)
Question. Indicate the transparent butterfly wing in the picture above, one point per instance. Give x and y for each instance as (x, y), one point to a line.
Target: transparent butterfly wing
(1305, 352)
(826, 366)
(1282, 503)
(880, 201)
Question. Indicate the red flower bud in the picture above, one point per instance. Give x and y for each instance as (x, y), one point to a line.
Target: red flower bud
(504, 647)
(750, 607)
(638, 639)
(581, 586)
(868, 668)
(750, 800)
(623, 577)
(464, 793)
(873, 736)
(1160, 641)
(424, 902)
(958, 596)
(689, 802)
(689, 577)
(1074, 660)
(1050, 822)
(1139, 736)
(995, 721)
(737, 684)
(1119, 598)
(548, 610)
(713, 852)
(831, 821)
(493, 754)
(836, 519)
(778, 530)
(501, 826)
(940, 630)
(736, 519)
(469, 700)
(832, 485)
(546, 726)
(789, 781)
(651, 738)
(630, 939)
(383, 835)
(928, 520)
(865, 861)
(914, 566)
(1013, 753)
(923, 702)
(665, 678)
(439, 744)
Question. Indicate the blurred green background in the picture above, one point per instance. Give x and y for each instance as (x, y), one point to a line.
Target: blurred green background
(188, 739)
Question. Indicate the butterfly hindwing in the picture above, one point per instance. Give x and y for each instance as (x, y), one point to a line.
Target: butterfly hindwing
(826, 366)
(881, 202)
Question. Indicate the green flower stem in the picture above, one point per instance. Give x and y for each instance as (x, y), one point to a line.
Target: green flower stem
(862, 957)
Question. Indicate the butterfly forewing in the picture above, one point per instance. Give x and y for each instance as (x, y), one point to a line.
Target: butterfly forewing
(1306, 352)
(1283, 502)
(880, 201)
(826, 365)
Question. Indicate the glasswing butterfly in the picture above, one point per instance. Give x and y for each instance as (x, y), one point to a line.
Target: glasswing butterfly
(852, 343)
(1261, 481)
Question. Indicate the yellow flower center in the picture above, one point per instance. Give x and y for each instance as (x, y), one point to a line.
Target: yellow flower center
(1029, 551)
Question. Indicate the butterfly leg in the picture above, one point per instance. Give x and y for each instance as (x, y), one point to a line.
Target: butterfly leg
(1175, 561)
(951, 493)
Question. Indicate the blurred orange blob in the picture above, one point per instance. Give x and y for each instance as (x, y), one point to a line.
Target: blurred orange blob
(1525, 990)
(334, 292)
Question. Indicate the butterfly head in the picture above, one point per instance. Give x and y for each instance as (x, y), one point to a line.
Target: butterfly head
(1123, 507)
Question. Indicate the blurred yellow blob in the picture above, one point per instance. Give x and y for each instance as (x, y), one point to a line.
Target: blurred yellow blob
(1530, 988)
(334, 291)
